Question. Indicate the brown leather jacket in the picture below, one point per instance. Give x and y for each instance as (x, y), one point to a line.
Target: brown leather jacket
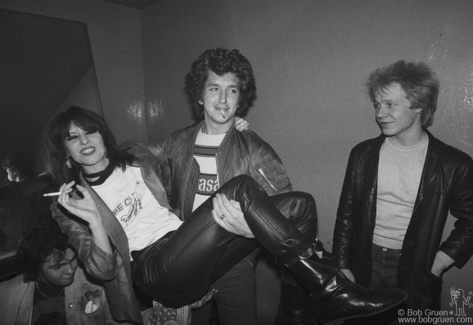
(241, 153)
(446, 185)
(114, 269)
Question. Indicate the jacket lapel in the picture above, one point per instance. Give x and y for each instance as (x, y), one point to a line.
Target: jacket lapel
(153, 183)
(372, 168)
(428, 173)
(114, 229)
(25, 309)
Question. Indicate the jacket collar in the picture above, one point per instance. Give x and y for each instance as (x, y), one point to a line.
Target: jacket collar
(231, 134)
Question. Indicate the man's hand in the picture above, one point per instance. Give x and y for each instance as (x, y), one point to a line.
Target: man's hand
(441, 263)
(229, 216)
(348, 274)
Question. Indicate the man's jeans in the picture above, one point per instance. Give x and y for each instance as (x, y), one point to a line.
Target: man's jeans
(235, 299)
(384, 263)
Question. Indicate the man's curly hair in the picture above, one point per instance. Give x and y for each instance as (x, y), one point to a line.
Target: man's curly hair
(220, 61)
(43, 240)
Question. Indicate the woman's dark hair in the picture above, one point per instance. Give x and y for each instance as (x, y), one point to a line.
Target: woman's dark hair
(220, 61)
(57, 130)
(43, 240)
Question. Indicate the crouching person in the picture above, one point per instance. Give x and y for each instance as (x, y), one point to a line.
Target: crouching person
(53, 288)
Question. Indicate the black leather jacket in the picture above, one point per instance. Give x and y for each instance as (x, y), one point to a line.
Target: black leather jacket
(446, 184)
(240, 153)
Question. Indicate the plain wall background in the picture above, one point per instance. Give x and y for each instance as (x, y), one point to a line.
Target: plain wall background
(86, 94)
(115, 37)
(311, 59)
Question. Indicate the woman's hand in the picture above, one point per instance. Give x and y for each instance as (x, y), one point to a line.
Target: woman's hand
(86, 210)
(204, 300)
(229, 216)
(241, 124)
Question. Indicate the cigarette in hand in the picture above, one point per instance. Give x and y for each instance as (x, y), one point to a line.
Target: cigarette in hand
(52, 194)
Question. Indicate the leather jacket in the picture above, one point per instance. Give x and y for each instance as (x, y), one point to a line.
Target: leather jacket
(239, 153)
(446, 185)
(16, 302)
(114, 269)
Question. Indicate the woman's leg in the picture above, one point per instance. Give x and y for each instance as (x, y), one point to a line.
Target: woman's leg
(297, 207)
(180, 269)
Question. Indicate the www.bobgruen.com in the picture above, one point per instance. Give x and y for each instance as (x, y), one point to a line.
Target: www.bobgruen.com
(435, 320)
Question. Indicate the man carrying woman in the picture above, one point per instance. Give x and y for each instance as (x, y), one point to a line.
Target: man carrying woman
(114, 210)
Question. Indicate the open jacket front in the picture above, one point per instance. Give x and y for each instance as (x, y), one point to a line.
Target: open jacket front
(446, 184)
(240, 153)
(114, 269)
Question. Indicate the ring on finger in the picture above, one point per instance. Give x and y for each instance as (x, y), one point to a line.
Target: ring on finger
(221, 217)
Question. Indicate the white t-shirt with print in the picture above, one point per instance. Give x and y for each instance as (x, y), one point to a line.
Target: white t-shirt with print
(139, 213)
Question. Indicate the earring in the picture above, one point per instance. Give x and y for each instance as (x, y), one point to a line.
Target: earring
(68, 163)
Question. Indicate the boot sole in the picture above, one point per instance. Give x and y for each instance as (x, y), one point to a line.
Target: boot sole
(361, 315)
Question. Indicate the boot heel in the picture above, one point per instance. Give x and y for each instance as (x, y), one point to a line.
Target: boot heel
(334, 296)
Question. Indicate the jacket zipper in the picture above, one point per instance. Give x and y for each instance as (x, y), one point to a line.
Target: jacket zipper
(267, 180)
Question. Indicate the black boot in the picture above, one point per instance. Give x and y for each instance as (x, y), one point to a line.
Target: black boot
(295, 307)
(334, 296)
(278, 224)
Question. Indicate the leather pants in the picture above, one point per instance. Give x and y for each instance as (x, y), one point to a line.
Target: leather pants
(179, 268)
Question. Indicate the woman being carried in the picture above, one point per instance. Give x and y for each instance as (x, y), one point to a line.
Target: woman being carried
(118, 213)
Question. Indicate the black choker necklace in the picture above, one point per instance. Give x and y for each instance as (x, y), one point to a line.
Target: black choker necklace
(102, 175)
(46, 296)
